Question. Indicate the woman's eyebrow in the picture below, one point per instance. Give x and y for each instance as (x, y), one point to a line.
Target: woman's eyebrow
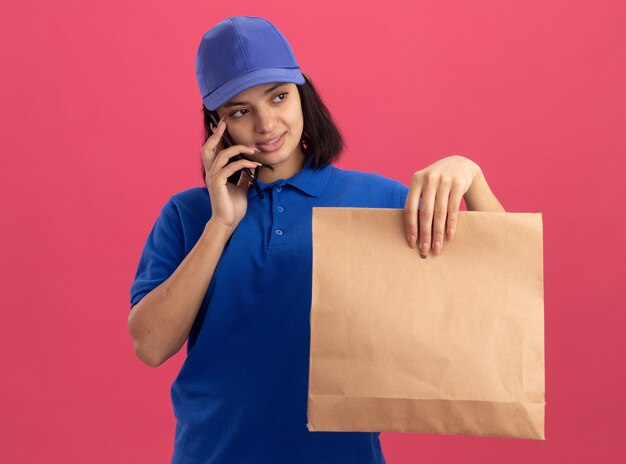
(232, 103)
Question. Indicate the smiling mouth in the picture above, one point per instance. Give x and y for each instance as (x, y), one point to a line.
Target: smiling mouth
(272, 141)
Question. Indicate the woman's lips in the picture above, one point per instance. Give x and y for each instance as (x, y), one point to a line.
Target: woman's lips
(274, 146)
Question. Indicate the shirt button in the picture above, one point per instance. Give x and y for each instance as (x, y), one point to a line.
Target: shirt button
(278, 189)
(280, 209)
(279, 232)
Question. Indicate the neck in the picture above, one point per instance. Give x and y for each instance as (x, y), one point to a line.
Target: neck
(284, 170)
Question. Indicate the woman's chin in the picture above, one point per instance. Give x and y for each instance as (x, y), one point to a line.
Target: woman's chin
(284, 163)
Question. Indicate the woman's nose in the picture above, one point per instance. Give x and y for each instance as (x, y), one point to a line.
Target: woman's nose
(266, 122)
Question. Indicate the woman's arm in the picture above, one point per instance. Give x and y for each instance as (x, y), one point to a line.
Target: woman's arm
(479, 197)
(160, 323)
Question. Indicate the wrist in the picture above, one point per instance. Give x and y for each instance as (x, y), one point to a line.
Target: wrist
(475, 169)
(214, 228)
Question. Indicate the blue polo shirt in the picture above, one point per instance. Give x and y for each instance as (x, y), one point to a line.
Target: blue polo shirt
(241, 394)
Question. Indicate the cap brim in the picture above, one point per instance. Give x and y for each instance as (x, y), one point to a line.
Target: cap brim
(227, 91)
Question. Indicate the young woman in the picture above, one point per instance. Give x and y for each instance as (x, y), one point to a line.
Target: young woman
(230, 271)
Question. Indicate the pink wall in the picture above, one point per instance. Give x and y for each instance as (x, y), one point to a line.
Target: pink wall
(101, 123)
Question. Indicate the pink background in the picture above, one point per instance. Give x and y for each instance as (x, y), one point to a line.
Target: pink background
(101, 123)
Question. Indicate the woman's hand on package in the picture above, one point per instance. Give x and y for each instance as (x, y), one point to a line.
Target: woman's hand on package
(441, 187)
(228, 201)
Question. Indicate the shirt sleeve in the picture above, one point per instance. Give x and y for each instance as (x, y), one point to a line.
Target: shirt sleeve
(162, 253)
(400, 192)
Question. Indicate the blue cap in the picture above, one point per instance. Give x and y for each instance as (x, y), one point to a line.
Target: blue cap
(241, 52)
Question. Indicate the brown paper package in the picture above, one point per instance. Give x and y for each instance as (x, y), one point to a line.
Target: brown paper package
(451, 344)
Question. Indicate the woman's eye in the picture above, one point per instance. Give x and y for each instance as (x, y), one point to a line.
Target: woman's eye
(240, 113)
(284, 94)
(236, 114)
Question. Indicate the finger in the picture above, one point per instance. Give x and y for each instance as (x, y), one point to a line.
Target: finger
(440, 213)
(217, 139)
(411, 206)
(208, 156)
(456, 195)
(237, 166)
(221, 125)
(425, 216)
(217, 132)
(213, 144)
(209, 152)
(224, 156)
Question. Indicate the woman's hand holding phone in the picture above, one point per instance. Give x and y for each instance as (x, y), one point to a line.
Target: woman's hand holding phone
(228, 201)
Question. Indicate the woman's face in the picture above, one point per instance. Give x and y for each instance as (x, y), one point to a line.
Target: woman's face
(266, 113)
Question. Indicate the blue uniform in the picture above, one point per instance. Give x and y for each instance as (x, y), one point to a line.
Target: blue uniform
(241, 394)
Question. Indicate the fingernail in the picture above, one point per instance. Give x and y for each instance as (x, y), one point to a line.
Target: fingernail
(437, 245)
(424, 247)
(412, 241)
(450, 230)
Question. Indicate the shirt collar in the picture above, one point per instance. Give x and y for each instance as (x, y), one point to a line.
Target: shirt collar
(310, 181)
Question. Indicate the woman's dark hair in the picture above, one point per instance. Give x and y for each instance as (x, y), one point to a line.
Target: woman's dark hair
(321, 138)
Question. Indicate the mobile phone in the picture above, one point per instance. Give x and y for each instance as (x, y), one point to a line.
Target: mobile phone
(228, 142)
